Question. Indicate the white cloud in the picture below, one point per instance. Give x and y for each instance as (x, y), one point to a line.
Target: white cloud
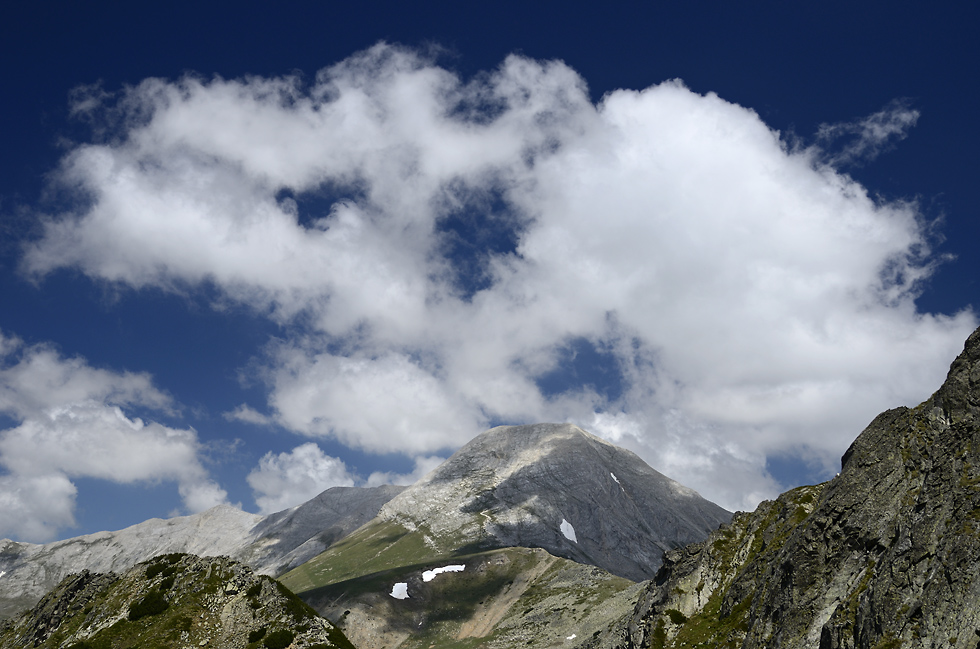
(34, 378)
(423, 465)
(70, 428)
(289, 479)
(379, 404)
(247, 414)
(36, 508)
(865, 139)
(755, 300)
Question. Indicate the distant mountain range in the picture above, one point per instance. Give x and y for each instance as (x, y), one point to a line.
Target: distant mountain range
(270, 545)
(546, 536)
(546, 486)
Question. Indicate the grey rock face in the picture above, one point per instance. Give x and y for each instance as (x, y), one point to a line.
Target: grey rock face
(270, 545)
(885, 555)
(556, 487)
(282, 541)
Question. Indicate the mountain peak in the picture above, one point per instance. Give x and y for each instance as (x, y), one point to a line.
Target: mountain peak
(959, 397)
(557, 487)
(505, 449)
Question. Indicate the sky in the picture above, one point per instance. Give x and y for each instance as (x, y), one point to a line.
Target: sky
(248, 252)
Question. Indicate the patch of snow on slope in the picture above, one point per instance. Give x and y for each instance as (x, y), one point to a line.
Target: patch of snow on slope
(571, 637)
(2, 573)
(568, 531)
(400, 590)
(429, 575)
(616, 479)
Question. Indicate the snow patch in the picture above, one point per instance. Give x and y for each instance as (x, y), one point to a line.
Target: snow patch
(400, 590)
(568, 531)
(616, 479)
(2, 573)
(571, 637)
(429, 575)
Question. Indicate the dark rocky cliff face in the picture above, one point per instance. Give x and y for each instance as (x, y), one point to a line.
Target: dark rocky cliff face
(885, 555)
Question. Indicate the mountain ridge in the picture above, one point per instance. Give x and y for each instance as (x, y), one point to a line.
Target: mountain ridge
(884, 555)
(269, 544)
(546, 527)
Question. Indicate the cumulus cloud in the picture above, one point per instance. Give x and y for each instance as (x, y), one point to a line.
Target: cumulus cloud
(285, 480)
(750, 299)
(36, 507)
(375, 404)
(70, 426)
(35, 378)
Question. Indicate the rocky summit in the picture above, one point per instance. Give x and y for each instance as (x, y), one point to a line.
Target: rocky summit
(885, 555)
(175, 600)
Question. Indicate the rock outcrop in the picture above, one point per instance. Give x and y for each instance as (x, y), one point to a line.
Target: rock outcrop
(175, 600)
(884, 555)
(270, 545)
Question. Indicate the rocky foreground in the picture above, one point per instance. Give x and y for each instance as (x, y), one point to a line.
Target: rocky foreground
(885, 555)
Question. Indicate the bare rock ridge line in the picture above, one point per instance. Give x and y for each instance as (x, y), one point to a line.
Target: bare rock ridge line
(270, 545)
(885, 555)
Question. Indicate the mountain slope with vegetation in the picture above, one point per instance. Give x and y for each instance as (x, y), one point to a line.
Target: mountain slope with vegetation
(175, 600)
(498, 599)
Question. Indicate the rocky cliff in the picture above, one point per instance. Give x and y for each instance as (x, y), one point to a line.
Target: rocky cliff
(270, 545)
(175, 600)
(884, 555)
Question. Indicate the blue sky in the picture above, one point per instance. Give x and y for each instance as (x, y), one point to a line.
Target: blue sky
(247, 254)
